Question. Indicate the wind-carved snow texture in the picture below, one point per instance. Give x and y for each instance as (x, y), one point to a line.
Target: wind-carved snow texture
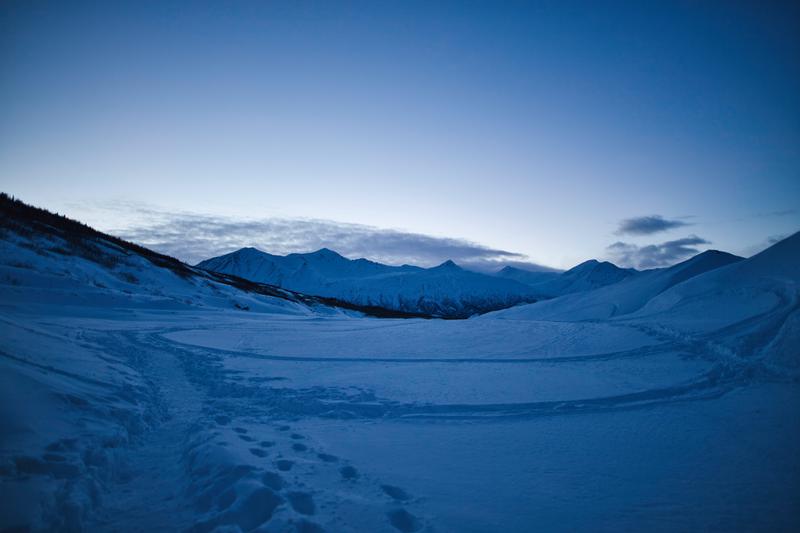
(134, 399)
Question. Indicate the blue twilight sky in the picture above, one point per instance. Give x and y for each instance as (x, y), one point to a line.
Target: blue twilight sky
(549, 132)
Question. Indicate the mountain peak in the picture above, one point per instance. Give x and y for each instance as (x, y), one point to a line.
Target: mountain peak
(448, 265)
(248, 250)
(586, 266)
(716, 253)
(325, 253)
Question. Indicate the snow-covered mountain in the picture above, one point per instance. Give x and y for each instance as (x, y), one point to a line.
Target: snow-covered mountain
(446, 290)
(298, 270)
(626, 296)
(586, 276)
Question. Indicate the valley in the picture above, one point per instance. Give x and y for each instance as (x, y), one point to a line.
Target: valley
(138, 397)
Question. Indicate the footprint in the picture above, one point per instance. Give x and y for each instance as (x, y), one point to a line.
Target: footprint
(258, 452)
(396, 492)
(284, 465)
(246, 438)
(284, 428)
(272, 480)
(348, 472)
(58, 469)
(302, 502)
(241, 431)
(62, 445)
(257, 508)
(404, 521)
(328, 458)
(222, 420)
(226, 499)
(298, 447)
(266, 444)
(296, 436)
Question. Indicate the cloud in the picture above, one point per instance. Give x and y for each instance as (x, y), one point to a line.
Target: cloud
(648, 225)
(654, 255)
(782, 213)
(193, 237)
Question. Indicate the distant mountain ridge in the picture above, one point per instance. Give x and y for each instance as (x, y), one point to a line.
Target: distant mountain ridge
(446, 290)
(586, 276)
(592, 288)
(306, 269)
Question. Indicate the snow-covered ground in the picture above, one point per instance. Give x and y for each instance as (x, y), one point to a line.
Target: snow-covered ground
(178, 419)
(134, 399)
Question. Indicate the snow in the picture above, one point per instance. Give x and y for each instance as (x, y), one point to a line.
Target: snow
(342, 337)
(587, 276)
(625, 296)
(444, 290)
(724, 465)
(136, 399)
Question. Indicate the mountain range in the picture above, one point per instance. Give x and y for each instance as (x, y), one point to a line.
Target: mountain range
(446, 290)
(450, 291)
(110, 270)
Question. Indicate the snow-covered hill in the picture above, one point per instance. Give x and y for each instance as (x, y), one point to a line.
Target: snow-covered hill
(775, 271)
(446, 290)
(622, 297)
(756, 302)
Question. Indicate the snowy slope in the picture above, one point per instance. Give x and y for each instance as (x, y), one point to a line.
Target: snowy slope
(445, 290)
(756, 302)
(623, 297)
(46, 258)
(775, 271)
(48, 273)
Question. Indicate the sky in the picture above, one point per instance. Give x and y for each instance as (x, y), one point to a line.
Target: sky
(486, 132)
